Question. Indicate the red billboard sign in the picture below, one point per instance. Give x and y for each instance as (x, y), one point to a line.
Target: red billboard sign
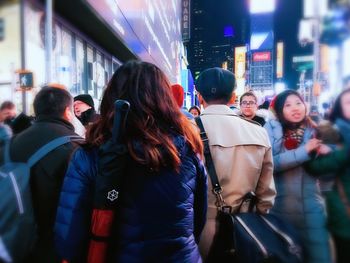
(262, 56)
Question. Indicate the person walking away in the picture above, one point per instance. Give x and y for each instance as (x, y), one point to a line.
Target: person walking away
(298, 199)
(53, 109)
(241, 151)
(162, 202)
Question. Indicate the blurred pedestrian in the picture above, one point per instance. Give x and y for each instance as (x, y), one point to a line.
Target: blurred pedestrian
(21, 122)
(53, 108)
(7, 112)
(84, 109)
(162, 204)
(298, 199)
(337, 162)
(195, 111)
(178, 94)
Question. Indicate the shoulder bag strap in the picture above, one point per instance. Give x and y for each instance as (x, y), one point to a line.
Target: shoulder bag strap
(7, 158)
(50, 146)
(217, 189)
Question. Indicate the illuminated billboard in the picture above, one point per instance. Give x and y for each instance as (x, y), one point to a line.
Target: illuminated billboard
(240, 61)
(150, 29)
(240, 69)
(262, 6)
(279, 62)
(261, 56)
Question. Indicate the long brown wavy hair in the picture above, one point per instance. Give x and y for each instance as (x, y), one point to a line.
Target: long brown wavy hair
(153, 120)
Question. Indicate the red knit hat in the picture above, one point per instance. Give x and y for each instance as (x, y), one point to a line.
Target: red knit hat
(178, 93)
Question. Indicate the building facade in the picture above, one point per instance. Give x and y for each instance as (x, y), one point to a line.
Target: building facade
(87, 46)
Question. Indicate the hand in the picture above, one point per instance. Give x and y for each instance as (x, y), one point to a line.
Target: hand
(323, 150)
(312, 144)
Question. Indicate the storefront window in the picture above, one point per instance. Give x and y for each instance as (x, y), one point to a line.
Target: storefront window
(108, 70)
(100, 74)
(78, 82)
(90, 70)
(65, 61)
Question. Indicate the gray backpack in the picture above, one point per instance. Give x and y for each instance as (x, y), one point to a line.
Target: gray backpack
(17, 222)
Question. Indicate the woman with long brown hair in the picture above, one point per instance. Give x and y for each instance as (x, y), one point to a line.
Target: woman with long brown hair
(162, 204)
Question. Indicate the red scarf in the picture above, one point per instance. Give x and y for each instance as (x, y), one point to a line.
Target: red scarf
(293, 137)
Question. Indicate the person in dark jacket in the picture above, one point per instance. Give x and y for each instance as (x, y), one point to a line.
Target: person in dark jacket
(53, 108)
(337, 162)
(84, 109)
(162, 205)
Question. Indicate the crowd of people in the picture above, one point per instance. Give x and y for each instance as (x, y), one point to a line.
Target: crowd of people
(167, 210)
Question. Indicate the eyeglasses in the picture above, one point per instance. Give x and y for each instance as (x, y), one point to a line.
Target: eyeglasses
(248, 103)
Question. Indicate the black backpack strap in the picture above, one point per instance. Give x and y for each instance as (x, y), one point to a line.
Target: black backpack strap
(7, 158)
(250, 197)
(217, 189)
(50, 146)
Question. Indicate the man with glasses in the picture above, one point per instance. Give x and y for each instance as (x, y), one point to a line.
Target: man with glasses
(248, 102)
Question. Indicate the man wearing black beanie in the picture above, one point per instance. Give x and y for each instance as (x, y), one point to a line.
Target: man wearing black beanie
(84, 109)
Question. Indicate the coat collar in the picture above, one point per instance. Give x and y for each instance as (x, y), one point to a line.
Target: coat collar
(218, 109)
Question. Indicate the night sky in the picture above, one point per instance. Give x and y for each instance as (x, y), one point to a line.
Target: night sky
(288, 13)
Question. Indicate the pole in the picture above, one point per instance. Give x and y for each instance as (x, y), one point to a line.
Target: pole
(316, 48)
(23, 55)
(48, 40)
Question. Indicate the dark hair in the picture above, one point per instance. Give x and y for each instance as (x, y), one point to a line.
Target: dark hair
(7, 105)
(279, 104)
(337, 111)
(52, 102)
(216, 85)
(265, 105)
(246, 94)
(195, 108)
(153, 119)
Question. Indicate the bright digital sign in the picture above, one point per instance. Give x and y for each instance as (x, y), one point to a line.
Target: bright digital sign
(150, 28)
(279, 62)
(262, 56)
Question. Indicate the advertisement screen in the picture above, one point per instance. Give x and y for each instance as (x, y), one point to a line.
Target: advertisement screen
(279, 62)
(150, 28)
(262, 56)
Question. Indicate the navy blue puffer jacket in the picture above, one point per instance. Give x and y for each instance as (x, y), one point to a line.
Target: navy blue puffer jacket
(159, 219)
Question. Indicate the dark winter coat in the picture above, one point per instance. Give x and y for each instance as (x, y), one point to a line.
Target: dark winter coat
(88, 117)
(46, 177)
(338, 163)
(160, 215)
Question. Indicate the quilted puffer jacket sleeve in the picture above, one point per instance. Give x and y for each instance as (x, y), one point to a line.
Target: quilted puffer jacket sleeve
(74, 210)
(200, 201)
(288, 159)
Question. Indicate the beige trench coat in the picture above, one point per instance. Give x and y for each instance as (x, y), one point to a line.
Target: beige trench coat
(242, 156)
